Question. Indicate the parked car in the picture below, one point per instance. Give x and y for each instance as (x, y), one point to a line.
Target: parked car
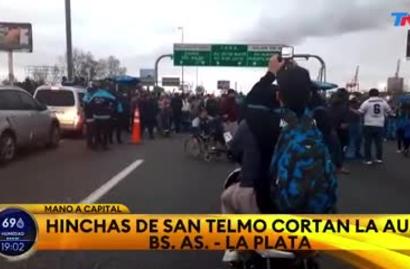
(67, 103)
(24, 122)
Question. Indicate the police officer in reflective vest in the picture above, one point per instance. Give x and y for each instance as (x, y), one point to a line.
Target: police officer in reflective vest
(101, 105)
(89, 120)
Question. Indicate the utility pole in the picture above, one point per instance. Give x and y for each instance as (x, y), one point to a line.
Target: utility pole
(69, 41)
(11, 69)
(182, 41)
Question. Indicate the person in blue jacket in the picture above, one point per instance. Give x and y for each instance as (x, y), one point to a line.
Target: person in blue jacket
(101, 105)
(404, 126)
(406, 138)
(89, 120)
(116, 123)
(402, 117)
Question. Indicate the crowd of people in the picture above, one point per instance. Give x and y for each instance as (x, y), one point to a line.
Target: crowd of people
(177, 112)
(108, 114)
(349, 126)
(293, 141)
(290, 138)
(349, 123)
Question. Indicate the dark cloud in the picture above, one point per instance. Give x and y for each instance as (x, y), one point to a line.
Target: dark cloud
(321, 18)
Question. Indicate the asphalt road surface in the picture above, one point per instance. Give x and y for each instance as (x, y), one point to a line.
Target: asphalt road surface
(163, 180)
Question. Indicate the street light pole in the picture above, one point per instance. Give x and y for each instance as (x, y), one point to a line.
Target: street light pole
(68, 38)
(197, 76)
(182, 68)
(11, 69)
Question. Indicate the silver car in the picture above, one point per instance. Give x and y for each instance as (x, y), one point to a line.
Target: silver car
(66, 102)
(24, 122)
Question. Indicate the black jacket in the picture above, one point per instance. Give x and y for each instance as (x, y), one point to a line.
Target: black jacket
(264, 124)
(149, 109)
(176, 104)
(245, 150)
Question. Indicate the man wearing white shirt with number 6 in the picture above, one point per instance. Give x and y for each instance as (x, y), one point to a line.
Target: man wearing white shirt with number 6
(375, 109)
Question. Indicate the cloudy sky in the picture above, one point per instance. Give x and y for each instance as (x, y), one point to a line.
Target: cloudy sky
(345, 33)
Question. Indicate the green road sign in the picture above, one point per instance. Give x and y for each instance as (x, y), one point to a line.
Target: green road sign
(224, 54)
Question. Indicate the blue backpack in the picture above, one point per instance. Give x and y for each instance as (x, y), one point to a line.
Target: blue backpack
(304, 175)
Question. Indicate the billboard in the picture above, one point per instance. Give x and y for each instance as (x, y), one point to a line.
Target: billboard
(16, 36)
(147, 76)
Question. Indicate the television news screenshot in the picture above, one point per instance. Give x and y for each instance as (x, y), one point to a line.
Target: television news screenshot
(188, 134)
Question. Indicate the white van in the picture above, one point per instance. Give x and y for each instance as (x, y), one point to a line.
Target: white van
(67, 103)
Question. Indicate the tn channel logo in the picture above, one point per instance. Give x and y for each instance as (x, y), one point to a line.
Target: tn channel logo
(401, 18)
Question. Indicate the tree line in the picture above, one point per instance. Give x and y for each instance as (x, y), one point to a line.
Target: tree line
(86, 67)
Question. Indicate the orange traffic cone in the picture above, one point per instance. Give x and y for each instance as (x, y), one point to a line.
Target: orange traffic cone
(136, 128)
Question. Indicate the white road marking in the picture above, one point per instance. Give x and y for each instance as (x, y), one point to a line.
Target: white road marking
(101, 191)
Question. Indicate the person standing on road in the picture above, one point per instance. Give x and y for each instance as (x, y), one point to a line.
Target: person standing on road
(116, 117)
(89, 120)
(375, 110)
(402, 120)
(176, 104)
(406, 137)
(117, 122)
(355, 129)
(165, 115)
(339, 115)
(230, 112)
(102, 104)
(253, 146)
(186, 113)
(148, 108)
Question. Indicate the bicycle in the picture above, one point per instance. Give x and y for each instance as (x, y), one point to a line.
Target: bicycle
(205, 145)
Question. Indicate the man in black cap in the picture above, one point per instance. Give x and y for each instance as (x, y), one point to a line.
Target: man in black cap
(253, 145)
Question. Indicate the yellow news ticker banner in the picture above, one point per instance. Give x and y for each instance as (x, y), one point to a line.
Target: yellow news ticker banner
(366, 241)
(70, 208)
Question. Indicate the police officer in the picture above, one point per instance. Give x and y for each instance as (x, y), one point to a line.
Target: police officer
(101, 106)
(89, 120)
(117, 122)
(117, 116)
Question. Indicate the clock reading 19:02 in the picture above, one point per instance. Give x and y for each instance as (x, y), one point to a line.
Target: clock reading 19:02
(18, 232)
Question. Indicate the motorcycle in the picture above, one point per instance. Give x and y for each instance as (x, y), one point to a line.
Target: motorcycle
(269, 258)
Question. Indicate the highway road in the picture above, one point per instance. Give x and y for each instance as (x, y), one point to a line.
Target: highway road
(156, 177)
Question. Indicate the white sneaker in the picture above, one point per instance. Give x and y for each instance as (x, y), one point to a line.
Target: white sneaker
(368, 162)
(231, 256)
(379, 161)
(399, 151)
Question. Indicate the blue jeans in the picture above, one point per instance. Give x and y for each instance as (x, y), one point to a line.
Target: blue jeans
(355, 145)
(372, 135)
